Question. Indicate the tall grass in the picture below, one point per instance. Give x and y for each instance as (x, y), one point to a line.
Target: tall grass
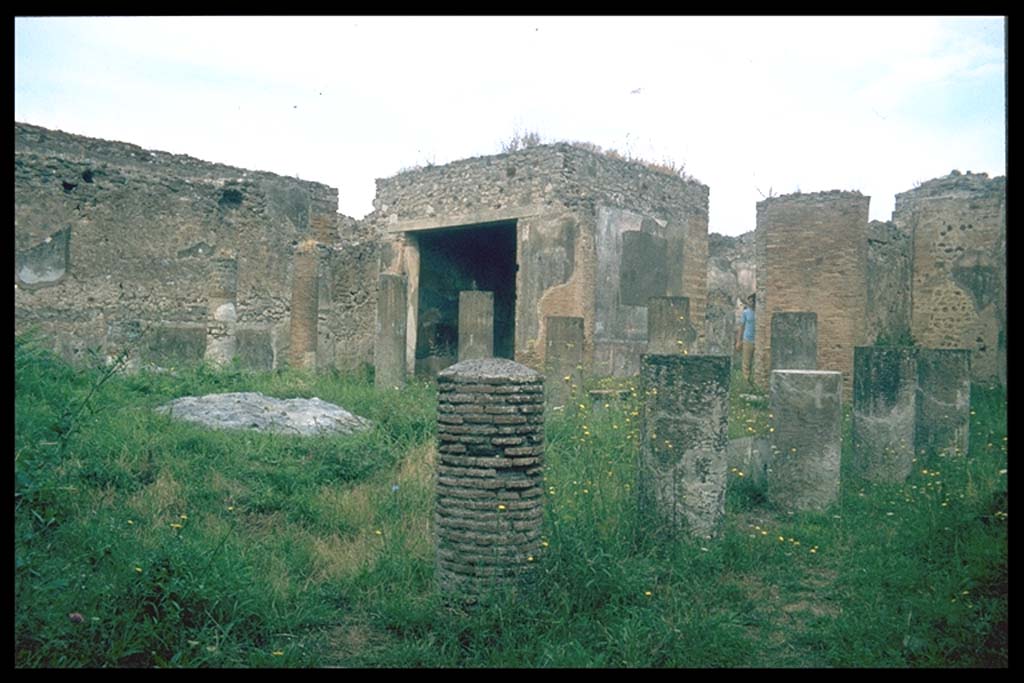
(147, 542)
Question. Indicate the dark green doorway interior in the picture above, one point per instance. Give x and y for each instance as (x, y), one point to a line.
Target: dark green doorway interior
(476, 257)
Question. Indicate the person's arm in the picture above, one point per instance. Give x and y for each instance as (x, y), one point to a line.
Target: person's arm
(739, 333)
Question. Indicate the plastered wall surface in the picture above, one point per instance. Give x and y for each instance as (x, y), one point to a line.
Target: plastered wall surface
(580, 217)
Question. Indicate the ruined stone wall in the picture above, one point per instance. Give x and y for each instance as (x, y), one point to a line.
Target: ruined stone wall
(732, 276)
(558, 195)
(348, 298)
(811, 254)
(651, 241)
(114, 245)
(958, 300)
(888, 283)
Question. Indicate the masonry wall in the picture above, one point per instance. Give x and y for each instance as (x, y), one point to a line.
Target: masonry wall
(348, 298)
(958, 294)
(811, 252)
(113, 246)
(571, 208)
(732, 276)
(888, 283)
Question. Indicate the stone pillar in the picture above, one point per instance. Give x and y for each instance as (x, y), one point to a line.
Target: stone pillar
(884, 411)
(125, 337)
(563, 359)
(669, 329)
(389, 346)
(684, 439)
(806, 435)
(221, 293)
(476, 325)
(943, 401)
(490, 435)
(302, 346)
(794, 341)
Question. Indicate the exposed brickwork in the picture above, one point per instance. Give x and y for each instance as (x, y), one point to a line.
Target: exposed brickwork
(958, 224)
(812, 256)
(490, 443)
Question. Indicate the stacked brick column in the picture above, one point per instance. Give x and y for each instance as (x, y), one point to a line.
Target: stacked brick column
(811, 252)
(489, 483)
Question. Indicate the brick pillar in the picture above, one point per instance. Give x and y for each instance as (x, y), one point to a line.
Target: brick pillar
(389, 346)
(884, 411)
(563, 359)
(807, 417)
(943, 401)
(684, 440)
(302, 352)
(476, 325)
(669, 328)
(794, 341)
(221, 293)
(490, 426)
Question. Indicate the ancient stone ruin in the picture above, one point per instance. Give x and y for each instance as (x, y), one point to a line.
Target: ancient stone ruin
(180, 261)
(683, 462)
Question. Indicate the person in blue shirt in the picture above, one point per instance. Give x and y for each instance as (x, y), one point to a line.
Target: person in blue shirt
(745, 337)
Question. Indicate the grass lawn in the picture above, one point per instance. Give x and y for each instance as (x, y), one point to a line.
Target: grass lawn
(143, 542)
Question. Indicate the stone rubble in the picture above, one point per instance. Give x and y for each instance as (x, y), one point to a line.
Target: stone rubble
(254, 411)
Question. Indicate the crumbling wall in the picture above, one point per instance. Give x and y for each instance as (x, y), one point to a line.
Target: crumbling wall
(811, 252)
(888, 283)
(732, 276)
(348, 296)
(573, 210)
(113, 246)
(958, 228)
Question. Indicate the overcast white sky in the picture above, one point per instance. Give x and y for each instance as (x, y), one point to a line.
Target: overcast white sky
(749, 105)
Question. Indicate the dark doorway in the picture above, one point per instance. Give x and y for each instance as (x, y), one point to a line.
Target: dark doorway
(476, 257)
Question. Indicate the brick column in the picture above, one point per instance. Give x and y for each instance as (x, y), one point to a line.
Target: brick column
(490, 425)
(684, 440)
(806, 435)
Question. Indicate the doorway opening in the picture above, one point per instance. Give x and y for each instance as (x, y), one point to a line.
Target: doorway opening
(478, 257)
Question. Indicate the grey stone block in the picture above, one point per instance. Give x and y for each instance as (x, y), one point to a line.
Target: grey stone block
(806, 408)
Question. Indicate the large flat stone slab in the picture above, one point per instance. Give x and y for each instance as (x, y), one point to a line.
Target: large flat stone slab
(254, 411)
